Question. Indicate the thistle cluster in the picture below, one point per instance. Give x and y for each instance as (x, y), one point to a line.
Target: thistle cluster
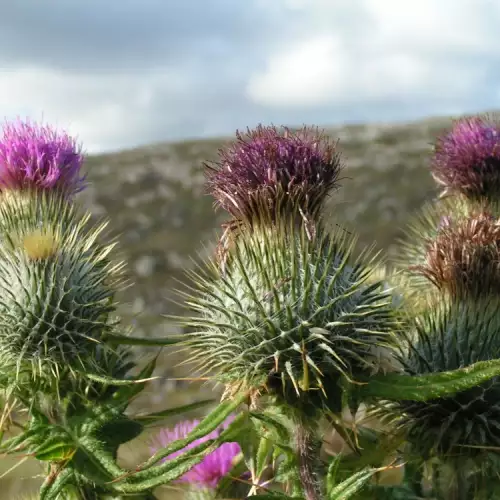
(297, 325)
(452, 261)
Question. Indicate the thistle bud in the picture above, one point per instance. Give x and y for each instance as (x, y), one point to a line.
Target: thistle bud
(37, 157)
(448, 337)
(467, 159)
(291, 315)
(56, 295)
(273, 170)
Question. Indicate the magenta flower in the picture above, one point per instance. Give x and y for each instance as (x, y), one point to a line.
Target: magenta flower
(467, 160)
(266, 164)
(213, 467)
(37, 157)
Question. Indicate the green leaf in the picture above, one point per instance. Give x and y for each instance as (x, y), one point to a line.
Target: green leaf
(397, 387)
(127, 393)
(113, 338)
(263, 455)
(116, 381)
(274, 496)
(55, 452)
(120, 431)
(53, 486)
(172, 412)
(352, 485)
(276, 429)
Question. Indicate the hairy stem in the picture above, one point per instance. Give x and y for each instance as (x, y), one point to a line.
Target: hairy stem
(308, 449)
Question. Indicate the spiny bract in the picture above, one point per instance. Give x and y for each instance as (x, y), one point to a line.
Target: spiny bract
(24, 211)
(449, 337)
(56, 294)
(291, 314)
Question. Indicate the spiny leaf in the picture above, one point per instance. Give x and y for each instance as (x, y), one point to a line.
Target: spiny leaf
(171, 412)
(397, 387)
(112, 339)
(346, 489)
(55, 484)
(153, 476)
(206, 426)
(127, 393)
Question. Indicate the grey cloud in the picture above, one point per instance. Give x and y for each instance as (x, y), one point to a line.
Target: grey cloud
(123, 35)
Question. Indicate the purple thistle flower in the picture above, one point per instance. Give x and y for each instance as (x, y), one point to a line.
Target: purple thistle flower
(37, 157)
(266, 164)
(467, 159)
(213, 467)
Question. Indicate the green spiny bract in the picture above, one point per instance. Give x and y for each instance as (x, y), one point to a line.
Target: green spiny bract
(291, 314)
(57, 287)
(29, 209)
(449, 337)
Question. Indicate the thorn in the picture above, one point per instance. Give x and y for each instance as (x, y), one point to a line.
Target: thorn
(305, 384)
(276, 361)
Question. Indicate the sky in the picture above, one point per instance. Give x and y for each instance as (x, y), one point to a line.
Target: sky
(121, 73)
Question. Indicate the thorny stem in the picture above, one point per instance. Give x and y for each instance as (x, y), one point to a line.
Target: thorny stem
(308, 449)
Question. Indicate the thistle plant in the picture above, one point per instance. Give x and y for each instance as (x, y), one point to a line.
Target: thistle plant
(296, 324)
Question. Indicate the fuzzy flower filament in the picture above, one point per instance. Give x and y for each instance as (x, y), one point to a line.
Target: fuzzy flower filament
(467, 159)
(272, 169)
(40, 158)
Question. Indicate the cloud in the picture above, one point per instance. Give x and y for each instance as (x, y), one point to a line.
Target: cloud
(408, 50)
(122, 73)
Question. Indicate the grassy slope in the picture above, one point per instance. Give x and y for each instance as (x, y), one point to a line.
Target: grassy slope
(154, 198)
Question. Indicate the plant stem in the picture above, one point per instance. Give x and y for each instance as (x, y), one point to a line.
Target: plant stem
(308, 449)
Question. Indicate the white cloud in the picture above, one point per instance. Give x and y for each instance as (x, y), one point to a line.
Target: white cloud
(103, 111)
(436, 26)
(392, 50)
(307, 74)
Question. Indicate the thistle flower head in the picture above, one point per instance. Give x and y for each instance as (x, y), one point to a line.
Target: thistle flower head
(292, 315)
(464, 258)
(467, 159)
(38, 157)
(213, 467)
(447, 337)
(272, 168)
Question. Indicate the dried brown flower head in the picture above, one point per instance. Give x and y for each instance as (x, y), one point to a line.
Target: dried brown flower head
(464, 258)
